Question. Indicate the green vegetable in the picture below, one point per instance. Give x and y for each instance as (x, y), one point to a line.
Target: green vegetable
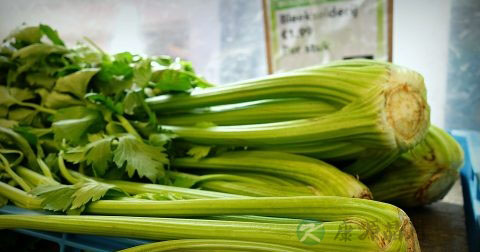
(133, 188)
(146, 160)
(204, 244)
(51, 34)
(401, 91)
(168, 228)
(355, 214)
(58, 197)
(94, 125)
(251, 184)
(74, 123)
(424, 174)
(22, 144)
(262, 111)
(87, 100)
(318, 177)
(378, 108)
(368, 163)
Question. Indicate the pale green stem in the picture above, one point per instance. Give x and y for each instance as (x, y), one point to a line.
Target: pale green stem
(37, 107)
(44, 168)
(128, 127)
(64, 171)
(210, 244)
(18, 179)
(33, 177)
(81, 168)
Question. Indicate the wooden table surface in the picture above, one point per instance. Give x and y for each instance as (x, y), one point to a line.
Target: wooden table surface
(441, 226)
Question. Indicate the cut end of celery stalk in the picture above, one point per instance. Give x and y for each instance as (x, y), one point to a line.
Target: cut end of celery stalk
(436, 187)
(422, 175)
(407, 236)
(408, 231)
(407, 111)
(445, 158)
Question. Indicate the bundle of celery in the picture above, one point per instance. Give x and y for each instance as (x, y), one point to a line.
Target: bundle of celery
(85, 132)
(385, 103)
(90, 108)
(346, 111)
(371, 225)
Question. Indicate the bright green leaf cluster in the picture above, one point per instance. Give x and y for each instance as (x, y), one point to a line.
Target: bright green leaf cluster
(146, 160)
(74, 198)
(126, 152)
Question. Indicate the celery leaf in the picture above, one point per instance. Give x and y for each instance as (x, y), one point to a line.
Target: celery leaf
(55, 197)
(74, 198)
(51, 34)
(10, 96)
(147, 160)
(73, 123)
(106, 101)
(199, 151)
(98, 154)
(76, 83)
(91, 191)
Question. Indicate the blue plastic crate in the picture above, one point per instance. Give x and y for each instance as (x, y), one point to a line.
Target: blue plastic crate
(470, 175)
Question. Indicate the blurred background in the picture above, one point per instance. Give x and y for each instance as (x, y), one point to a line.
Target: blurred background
(225, 40)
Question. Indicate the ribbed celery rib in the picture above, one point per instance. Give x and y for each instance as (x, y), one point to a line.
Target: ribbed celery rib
(266, 111)
(250, 184)
(424, 174)
(359, 122)
(209, 245)
(332, 211)
(337, 84)
(166, 229)
(258, 190)
(128, 186)
(363, 123)
(324, 178)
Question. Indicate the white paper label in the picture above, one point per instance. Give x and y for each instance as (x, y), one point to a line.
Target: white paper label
(309, 32)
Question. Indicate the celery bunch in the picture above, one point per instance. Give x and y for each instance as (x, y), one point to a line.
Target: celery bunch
(382, 106)
(422, 175)
(346, 111)
(143, 147)
(277, 220)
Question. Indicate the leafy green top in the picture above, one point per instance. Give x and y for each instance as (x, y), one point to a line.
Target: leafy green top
(74, 198)
(88, 104)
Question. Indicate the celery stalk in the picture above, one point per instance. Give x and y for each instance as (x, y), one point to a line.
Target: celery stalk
(372, 122)
(266, 111)
(172, 229)
(424, 174)
(245, 184)
(337, 83)
(257, 190)
(330, 212)
(130, 187)
(322, 178)
(204, 244)
(22, 144)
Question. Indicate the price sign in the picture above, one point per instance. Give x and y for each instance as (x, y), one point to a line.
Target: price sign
(307, 32)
